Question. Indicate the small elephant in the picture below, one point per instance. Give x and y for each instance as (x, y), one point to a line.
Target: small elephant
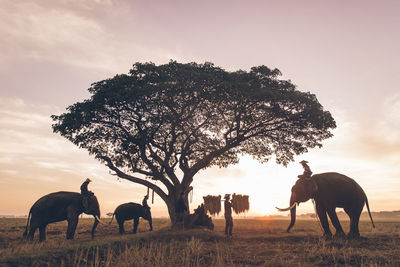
(330, 190)
(129, 211)
(60, 206)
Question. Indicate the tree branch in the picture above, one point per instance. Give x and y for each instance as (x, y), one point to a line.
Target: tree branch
(134, 179)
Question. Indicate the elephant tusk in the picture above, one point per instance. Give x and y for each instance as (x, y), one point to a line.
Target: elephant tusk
(98, 219)
(291, 207)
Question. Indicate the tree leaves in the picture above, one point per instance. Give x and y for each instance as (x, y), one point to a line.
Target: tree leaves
(191, 116)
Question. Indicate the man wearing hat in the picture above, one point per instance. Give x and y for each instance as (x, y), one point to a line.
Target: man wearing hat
(228, 215)
(84, 187)
(307, 171)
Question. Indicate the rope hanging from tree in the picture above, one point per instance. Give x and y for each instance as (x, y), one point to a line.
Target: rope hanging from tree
(240, 203)
(191, 195)
(212, 204)
(152, 194)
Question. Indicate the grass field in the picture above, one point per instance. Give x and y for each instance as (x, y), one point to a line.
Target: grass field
(255, 242)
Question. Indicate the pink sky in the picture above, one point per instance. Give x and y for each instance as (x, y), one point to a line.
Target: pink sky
(346, 52)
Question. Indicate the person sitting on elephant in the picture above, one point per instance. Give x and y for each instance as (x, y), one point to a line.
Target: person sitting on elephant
(144, 201)
(84, 187)
(307, 171)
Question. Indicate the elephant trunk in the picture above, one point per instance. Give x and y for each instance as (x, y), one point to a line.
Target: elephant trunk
(292, 214)
(151, 224)
(96, 222)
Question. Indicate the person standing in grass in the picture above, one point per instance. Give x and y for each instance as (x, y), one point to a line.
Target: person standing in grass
(228, 215)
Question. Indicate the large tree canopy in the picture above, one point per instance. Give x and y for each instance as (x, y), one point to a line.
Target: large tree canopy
(156, 120)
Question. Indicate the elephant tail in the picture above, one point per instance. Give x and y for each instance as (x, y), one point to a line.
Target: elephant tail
(27, 224)
(369, 212)
(112, 218)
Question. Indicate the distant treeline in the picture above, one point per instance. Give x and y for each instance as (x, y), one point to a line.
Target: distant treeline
(395, 215)
(341, 214)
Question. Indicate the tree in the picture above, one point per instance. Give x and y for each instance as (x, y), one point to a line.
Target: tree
(165, 123)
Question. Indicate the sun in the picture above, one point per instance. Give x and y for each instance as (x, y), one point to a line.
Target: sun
(261, 206)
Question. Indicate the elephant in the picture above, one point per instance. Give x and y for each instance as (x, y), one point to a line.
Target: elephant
(60, 206)
(131, 210)
(329, 191)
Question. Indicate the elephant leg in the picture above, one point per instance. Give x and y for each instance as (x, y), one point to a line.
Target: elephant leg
(324, 221)
(121, 226)
(335, 221)
(32, 230)
(34, 224)
(72, 223)
(354, 220)
(135, 224)
(42, 233)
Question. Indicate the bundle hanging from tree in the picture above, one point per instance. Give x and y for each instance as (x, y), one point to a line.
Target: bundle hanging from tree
(212, 204)
(240, 203)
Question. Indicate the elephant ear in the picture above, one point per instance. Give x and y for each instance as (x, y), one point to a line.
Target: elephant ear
(85, 202)
(147, 211)
(312, 188)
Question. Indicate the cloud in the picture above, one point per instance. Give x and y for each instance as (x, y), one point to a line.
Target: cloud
(372, 139)
(29, 148)
(100, 35)
(377, 138)
(34, 161)
(36, 32)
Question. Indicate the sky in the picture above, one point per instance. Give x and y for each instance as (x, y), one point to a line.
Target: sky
(344, 52)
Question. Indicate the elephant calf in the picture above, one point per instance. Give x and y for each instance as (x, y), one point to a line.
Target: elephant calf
(129, 211)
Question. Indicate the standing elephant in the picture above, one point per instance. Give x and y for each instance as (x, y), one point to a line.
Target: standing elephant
(60, 206)
(330, 190)
(129, 211)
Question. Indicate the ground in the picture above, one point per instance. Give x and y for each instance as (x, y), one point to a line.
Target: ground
(255, 242)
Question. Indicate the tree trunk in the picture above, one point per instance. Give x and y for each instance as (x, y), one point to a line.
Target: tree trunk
(171, 202)
(171, 211)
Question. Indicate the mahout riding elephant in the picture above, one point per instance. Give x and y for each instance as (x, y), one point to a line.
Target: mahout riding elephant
(330, 190)
(60, 206)
(129, 211)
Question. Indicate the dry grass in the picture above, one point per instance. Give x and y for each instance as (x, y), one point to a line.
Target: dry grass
(255, 242)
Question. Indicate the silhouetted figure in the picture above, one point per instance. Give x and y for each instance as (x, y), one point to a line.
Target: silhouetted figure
(228, 215)
(84, 187)
(198, 219)
(307, 171)
(180, 209)
(144, 201)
